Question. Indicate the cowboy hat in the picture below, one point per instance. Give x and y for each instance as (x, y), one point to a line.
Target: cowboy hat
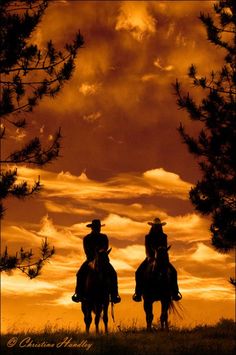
(156, 222)
(95, 223)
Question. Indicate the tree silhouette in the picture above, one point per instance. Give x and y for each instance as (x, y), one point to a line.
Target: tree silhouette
(215, 145)
(232, 281)
(27, 75)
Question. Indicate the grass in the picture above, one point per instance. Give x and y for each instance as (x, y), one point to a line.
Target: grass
(201, 340)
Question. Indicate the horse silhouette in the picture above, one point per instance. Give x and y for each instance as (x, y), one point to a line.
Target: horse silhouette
(97, 291)
(157, 287)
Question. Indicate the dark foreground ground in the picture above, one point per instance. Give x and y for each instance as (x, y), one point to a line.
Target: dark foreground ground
(201, 340)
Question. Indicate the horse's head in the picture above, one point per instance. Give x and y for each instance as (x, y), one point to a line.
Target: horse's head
(162, 255)
(160, 258)
(102, 259)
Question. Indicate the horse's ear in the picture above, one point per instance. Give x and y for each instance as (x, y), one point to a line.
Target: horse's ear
(168, 248)
(109, 250)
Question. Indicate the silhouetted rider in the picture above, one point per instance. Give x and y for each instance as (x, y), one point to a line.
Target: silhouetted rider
(93, 242)
(153, 240)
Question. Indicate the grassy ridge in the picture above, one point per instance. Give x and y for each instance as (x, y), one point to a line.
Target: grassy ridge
(218, 339)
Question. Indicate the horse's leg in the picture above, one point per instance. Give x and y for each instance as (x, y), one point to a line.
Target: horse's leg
(147, 304)
(98, 311)
(164, 315)
(87, 316)
(105, 317)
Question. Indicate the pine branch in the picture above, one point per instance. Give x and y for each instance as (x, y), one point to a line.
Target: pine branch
(23, 260)
(23, 190)
(33, 153)
(71, 49)
(28, 82)
(43, 68)
(232, 281)
(9, 185)
(192, 143)
(187, 102)
(212, 84)
(15, 6)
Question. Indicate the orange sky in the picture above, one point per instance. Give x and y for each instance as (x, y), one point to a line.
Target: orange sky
(122, 161)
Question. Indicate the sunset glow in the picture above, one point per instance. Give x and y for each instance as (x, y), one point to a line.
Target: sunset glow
(122, 161)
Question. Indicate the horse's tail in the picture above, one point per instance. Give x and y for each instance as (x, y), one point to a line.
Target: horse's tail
(176, 310)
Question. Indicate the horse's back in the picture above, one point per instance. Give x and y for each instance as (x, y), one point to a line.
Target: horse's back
(96, 288)
(157, 283)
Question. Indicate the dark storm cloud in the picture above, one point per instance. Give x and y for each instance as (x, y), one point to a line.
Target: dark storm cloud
(127, 118)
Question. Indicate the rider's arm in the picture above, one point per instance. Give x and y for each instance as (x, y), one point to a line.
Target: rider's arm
(147, 246)
(105, 242)
(164, 240)
(86, 246)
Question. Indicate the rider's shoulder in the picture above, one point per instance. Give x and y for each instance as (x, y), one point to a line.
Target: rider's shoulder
(148, 237)
(103, 235)
(91, 235)
(88, 236)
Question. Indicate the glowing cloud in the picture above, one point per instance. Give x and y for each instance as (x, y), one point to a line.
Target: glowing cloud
(149, 77)
(61, 237)
(123, 227)
(205, 288)
(18, 135)
(133, 255)
(189, 228)
(88, 89)
(158, 64)
(135, 19)
(205, 254)
(93, 117)
(150, 183)
(167, 183)
(22, 285)
(66, 208)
